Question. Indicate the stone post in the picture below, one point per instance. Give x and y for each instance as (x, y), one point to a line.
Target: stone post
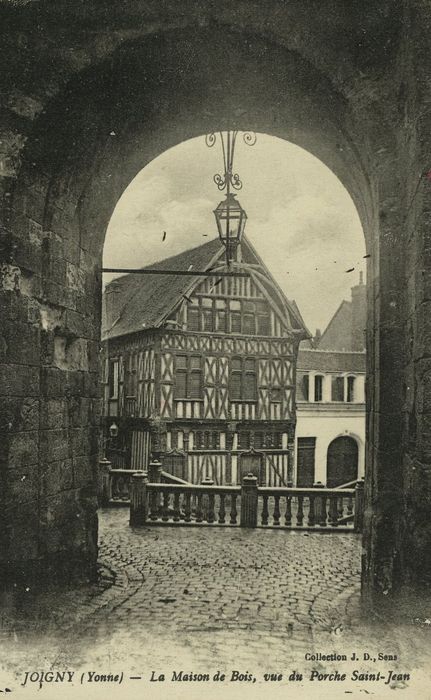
(138, 499)
(207, 512)
(105, 484)
(249, 501)
(318, 505)
(155, 471)
(359, 506)
(291, 452)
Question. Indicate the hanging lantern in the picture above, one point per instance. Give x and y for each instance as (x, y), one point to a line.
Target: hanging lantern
(229, 214)
(230, 218)
(113, 430)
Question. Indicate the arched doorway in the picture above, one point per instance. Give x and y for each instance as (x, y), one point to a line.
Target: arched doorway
(342, 461)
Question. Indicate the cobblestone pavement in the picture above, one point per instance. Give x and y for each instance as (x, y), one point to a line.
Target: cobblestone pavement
(200, 598)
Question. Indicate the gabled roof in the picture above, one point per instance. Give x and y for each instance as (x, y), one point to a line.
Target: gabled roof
(144, 301)
(338, 333)
(298, 321)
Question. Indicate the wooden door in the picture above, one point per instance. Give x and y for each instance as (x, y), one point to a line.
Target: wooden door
(305, 462)
(342, 461)
(174, 463)
(251, 463)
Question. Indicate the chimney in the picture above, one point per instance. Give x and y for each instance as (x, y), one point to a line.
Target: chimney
(317, 337)
(112, 302)
(359, 314)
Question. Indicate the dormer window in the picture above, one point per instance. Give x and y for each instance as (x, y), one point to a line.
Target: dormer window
(337, 389)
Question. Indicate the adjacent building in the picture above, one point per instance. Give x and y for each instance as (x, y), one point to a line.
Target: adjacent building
(330, 442)
(200, 371)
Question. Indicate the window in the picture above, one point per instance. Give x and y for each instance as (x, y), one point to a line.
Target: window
(221, 321)
(243, 380)
(302, 386)
(305, 386)
(350, 389)
(131, 375)
(263, 318)
(209, 314)
(206, 440)
(235, 379)
(113, 379)
(188, 377)
(193, 319)
(249, 383)
(235, 321)
(244, 440)
(263, 324)
(220, 306)
(337, 389)
(318, 387)
(208, 320)
(259, 440)
(248, 326)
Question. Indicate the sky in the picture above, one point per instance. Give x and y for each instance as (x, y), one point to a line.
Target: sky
(301, 219)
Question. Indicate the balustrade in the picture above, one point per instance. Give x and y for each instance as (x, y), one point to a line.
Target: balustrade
(317, 508)
(208, 504)
(178, 503)
(116, 486)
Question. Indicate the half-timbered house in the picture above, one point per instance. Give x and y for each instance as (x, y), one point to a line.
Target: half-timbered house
(200, 371)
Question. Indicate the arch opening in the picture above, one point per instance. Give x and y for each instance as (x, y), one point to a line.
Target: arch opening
(118, 119)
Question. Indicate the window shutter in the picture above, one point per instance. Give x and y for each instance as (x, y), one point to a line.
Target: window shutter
(193, 319)
(221, 321)
(235, 386)
(249, 326)
(208, 320)
(195, 385)
(318, 387)
(181, 385)
(235, 319)
(350, 389)
(250, 387)
(263, 325)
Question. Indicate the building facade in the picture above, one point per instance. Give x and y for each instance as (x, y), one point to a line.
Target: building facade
(200, 372)
(330, 434)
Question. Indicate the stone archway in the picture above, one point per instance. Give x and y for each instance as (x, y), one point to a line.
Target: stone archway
(85, 114)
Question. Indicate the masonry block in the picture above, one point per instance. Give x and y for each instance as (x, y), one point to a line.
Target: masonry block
(56, 477)
(54, 445)
(19, 380)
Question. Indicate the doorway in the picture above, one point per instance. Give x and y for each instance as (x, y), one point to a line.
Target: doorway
(342, 461)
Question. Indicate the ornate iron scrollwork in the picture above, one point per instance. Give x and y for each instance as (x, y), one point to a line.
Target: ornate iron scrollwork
(228, 141)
